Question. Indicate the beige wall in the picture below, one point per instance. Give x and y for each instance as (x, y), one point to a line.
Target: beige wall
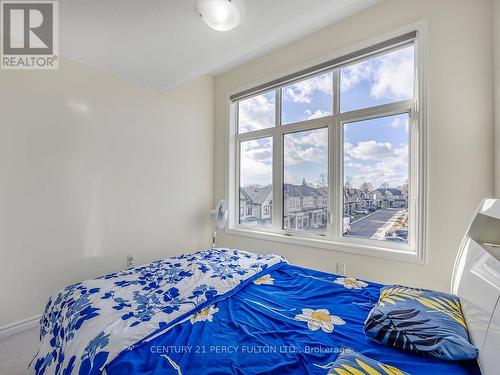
(460, 128)
(93, 169)
(496, 50)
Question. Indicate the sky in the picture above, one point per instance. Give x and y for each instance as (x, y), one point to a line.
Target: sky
(375, 151)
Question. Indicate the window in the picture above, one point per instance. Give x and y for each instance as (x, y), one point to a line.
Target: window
(383, 79)
(256, 180)
(296, 99)
(376, 178)
(336, 155)
(256, 113)
(305, 165)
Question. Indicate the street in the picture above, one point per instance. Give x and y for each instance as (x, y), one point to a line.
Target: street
(367, 226)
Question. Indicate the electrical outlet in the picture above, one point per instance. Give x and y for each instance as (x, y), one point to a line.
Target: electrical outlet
(130, 261)
(340, 269)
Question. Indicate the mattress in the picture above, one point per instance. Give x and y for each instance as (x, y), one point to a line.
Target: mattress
(292, 320)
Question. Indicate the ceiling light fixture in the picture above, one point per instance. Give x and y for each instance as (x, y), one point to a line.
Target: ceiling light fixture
(220, 15)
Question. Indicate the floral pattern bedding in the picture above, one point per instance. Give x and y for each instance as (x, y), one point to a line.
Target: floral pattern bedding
(292, 320)
(88, 324)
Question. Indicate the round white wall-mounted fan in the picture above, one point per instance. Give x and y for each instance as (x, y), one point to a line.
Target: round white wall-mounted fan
(219, 218)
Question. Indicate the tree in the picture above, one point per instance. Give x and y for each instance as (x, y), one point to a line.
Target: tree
(348, 182)
(403, 188)
(253, 187)
(322, 181)
(366, 187)
(384, 185)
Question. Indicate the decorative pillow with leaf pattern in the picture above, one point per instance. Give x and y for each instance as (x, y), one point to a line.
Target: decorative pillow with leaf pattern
(350, 362)
(421, 321)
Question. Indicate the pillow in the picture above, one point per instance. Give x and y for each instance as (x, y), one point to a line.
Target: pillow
(352, 362)
(421, 321)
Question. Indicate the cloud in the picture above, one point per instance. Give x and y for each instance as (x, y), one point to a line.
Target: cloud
(303, 91)
(299, 148)
(291, 178)
(395, 75)
(353, 165)
(256, 162)
(354, 74)
(316, 114)
(310, 146)
(257, 112)
(389, 76)
(372, 150)
(394, 172)
(377, 162)
(369, 161)
(399, 122)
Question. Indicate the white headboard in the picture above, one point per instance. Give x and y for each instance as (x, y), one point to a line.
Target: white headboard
(476, 280)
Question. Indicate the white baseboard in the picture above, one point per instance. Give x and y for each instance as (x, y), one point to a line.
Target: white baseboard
(19, 326)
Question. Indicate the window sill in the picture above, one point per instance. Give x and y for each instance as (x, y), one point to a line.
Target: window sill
(396, 254)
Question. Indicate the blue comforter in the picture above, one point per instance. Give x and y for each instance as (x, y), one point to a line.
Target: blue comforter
(289, 321)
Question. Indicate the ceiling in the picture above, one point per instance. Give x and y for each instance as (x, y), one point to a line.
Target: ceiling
(163, 43)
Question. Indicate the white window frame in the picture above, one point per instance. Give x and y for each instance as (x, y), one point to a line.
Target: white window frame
(333, 239)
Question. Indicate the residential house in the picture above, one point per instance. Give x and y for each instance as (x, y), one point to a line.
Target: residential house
(369, 199)
(391, 197)
(305, 207)
(256, 205)
(352, 200)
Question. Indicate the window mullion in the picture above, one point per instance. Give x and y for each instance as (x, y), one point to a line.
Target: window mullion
(413, 178)
(236, 216)
(250, 136)
(336, 180)
(336, 91)
(382, 110)
(277, 167)
(333, 160)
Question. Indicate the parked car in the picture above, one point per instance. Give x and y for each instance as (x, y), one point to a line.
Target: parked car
(347, 224)
(361, 212)
(403, 233)
(395, 239)
(372, 209)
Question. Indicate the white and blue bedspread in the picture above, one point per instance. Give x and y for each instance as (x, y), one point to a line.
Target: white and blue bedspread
(87, 325)
(218, 312)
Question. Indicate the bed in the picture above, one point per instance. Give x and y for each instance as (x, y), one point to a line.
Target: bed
(227, 311)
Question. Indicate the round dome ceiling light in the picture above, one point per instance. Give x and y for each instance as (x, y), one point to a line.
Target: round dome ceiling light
(220, 15)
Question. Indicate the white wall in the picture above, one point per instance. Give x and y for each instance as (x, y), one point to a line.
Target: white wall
(496, 50)
(92, 169)
(460, 128)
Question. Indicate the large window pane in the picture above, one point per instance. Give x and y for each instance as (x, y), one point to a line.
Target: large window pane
(256, 178)
(380, 80)
(257, 112)
(305, 189)
(376, 179)
(307, 99)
